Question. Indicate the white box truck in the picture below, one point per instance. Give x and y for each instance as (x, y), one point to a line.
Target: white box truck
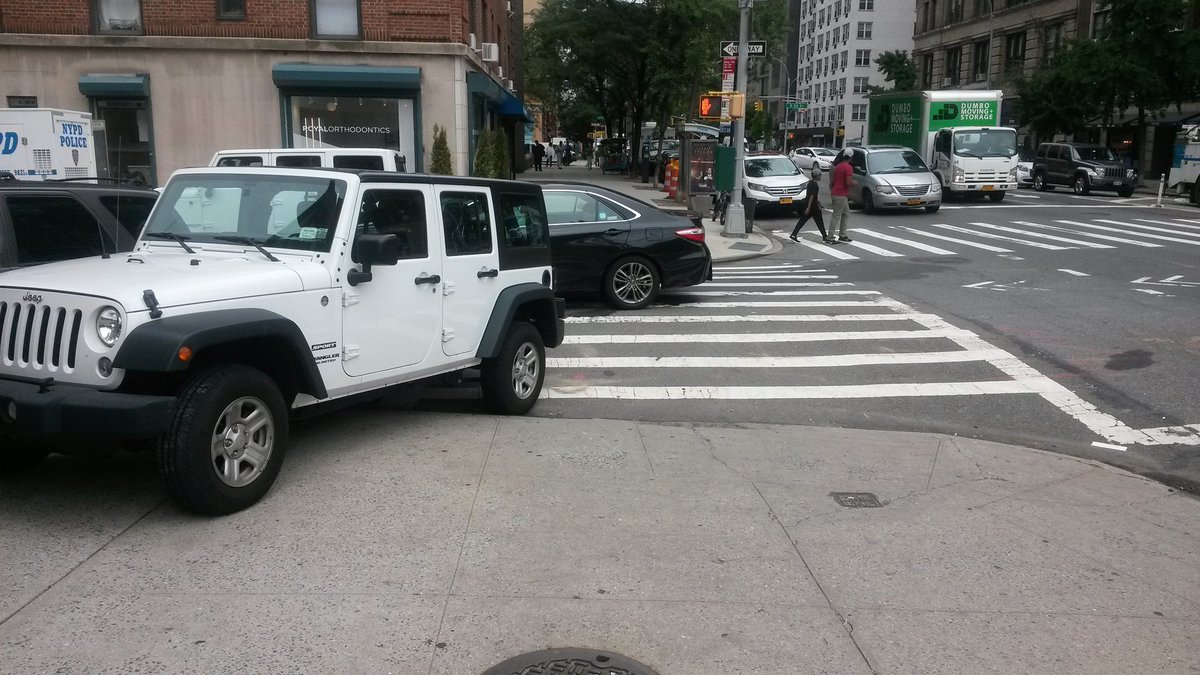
(46, 143)
(957, 131)
(1184, 177)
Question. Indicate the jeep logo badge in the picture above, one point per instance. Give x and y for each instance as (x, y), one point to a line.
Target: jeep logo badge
(32, 297)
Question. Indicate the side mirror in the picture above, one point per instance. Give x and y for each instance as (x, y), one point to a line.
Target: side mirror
(372, 249)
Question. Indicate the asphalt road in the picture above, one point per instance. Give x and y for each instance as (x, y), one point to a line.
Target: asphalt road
(996, 321)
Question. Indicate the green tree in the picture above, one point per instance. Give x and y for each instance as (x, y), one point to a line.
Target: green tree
(500, 167)
(898, 68)
(484, 163)
(440, 163)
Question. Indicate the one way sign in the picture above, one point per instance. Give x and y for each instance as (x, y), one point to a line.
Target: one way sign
(753, 47)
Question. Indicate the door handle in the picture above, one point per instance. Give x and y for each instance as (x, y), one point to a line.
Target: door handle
(612, 232)
(487, 273)
(431, 279)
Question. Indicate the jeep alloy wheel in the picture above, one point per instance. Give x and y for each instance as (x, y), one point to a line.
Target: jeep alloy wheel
(512, 380)
(1039, 181)
(1080, 185)
(631, 283)
(226, 444)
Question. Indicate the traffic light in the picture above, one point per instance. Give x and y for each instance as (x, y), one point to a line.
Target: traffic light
(710, 106)
(737, 106)
(758, 106)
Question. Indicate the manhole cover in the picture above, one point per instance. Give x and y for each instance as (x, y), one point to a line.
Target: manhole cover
(856, 500)
(569, 661)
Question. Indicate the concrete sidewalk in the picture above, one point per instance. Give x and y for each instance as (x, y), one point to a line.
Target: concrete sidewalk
(411, 542)
(723, 249)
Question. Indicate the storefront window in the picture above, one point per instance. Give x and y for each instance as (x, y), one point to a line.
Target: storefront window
(354, 122)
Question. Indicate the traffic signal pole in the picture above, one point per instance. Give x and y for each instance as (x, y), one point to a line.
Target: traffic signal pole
(735, 215)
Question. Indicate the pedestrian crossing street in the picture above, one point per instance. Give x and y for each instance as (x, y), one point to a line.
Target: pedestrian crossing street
(789, 332)
(1005, 237)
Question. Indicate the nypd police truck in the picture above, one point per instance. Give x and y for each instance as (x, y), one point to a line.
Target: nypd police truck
(255, 295)
(46, 144)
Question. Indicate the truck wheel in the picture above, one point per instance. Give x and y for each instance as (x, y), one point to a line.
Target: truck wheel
(631, 283)
(1039, 182)
(226, 444)
(996, 196)
(512, 380)
(1080, 185)
(1127, 192)
(18, 455)
(1196, 193)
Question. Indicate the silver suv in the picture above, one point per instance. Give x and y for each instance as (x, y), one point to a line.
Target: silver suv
(889, 176)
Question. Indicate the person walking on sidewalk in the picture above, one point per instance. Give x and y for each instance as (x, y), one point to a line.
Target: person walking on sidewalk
(839, 188)
(539, 153)
(812, 209)
(558, 153)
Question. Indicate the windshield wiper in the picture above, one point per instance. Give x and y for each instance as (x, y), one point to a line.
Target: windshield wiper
(248, 242)
(182, 240)
(964, 153)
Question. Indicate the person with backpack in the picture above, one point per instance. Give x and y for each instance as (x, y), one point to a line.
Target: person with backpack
(539, 154)
(812, 209)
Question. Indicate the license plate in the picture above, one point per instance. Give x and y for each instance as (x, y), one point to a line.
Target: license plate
(914, 202)
(785, 200)
(1116, 182)
(987, 187)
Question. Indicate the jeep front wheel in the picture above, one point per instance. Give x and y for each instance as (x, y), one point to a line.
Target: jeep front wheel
(17, 454)
(1039, 182)
(512, 380)
(1081, 185)
(226, 444)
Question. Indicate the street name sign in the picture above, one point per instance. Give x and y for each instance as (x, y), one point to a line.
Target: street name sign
(796, 105)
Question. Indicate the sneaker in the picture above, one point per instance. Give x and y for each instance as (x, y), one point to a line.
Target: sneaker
(831, 241)
(794, 239)
(844, 239)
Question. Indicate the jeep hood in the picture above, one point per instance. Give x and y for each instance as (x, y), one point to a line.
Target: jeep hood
(173, 278)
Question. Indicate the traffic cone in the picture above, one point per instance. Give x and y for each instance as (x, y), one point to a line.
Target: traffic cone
(672, 179)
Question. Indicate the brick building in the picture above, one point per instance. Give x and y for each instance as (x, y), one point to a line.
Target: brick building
(176, 80)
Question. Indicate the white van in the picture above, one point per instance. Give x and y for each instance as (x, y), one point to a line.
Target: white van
(378, 159)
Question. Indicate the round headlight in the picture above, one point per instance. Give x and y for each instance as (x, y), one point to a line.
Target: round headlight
(108, 325)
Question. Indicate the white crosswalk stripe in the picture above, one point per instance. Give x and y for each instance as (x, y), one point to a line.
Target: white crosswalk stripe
(1152, 229)
(906, 242)
(988, 235)
(964, 242)
(1093, 235)
(1164, 222)
(1040, 235)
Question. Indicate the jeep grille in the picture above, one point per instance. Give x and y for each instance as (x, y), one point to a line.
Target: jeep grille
(39, 337)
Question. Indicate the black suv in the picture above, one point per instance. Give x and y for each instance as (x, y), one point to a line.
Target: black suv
(1083, 167)
(58, 220)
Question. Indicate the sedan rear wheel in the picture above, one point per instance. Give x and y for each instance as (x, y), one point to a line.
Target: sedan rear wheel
(631, 283)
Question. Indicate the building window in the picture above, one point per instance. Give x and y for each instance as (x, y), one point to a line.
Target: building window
(861, 84)
(858, 112)
(927, 71)
(1014, 51)
(119, 16)
(979, 66)
(983, 8)
(864, 30)
(862, 57)
(231, 10)
(1099, 21)
(1051, 42)
(954, 13)
(335, 18)
(953, 65)
(866, 5)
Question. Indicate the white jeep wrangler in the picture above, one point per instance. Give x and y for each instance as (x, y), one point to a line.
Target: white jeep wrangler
(255, 293)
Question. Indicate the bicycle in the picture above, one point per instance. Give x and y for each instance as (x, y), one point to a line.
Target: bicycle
(720, 206)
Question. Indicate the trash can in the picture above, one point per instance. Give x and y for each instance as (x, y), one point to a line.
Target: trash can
(645, 169)
(748, 205)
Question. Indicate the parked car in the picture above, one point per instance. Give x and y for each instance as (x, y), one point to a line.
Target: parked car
(892, 177)
(813, 158)
(1024, 167)
(1083, 167)
(625, 249)
(773, 181)
(46, 221)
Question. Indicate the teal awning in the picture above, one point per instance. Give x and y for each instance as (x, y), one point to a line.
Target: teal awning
(511, 106)
(358, 78)
(129, 85)
(478, 83)
(507, 103)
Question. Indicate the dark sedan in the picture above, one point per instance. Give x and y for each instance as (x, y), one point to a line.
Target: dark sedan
(622, 247)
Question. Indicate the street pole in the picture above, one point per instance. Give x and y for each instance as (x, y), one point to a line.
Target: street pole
(735, 215)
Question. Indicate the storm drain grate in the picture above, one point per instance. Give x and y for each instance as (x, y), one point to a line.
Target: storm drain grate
(569, 661)
(856, 500)
(743, 246)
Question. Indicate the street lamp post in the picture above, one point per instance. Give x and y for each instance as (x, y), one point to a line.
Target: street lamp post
(735, 213)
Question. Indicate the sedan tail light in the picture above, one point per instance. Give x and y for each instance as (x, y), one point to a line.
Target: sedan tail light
(692, 233)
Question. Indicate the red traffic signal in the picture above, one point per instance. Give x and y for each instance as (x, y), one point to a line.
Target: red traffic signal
(710, 106)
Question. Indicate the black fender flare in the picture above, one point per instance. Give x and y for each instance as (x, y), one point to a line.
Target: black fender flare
(547, 313)
(154, 346)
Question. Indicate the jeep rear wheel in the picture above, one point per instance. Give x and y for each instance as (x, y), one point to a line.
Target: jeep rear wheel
(226, 444)
(512, 380)
(20, 455)
(1039, 182)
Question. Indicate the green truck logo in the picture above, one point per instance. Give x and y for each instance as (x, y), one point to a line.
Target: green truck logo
(962, 114)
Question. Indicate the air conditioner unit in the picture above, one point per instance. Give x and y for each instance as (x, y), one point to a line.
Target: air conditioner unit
(472, 42)
(980, 77)
(947, 82)
(491, 52)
